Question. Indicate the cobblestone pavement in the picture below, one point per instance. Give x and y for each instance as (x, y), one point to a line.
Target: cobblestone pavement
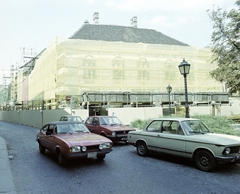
(123, 171)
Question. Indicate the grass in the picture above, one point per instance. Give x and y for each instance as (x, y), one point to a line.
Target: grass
(216, 124)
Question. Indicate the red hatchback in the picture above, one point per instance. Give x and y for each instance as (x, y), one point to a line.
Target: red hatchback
(72, 140)
(108, 126)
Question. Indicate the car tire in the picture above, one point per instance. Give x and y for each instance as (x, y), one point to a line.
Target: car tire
(41, 148)
(101, 157)
(142, 149)
(205, 161)
(61, 159)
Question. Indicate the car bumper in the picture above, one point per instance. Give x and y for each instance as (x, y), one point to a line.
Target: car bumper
(117, 138)
(235, 158)
(93, 154)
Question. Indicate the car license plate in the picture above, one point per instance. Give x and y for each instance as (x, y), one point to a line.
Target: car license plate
(124, 138)
(92, 155)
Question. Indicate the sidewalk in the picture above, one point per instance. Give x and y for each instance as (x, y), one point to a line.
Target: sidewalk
(6, 179)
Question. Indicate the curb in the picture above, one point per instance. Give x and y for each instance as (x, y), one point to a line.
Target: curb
(6, 180)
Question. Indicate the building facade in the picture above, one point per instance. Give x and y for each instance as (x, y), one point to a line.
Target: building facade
(105, 59)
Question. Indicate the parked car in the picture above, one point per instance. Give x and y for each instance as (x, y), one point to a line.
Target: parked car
(71, 118)
(188, 138)
(72, 140)
(108, 126)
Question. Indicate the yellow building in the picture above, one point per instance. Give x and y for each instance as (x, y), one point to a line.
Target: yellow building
(109, 58)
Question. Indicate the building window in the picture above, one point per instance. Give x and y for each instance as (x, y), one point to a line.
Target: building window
(170, 70)
(143, 73)
(89, 70)
(118, 68)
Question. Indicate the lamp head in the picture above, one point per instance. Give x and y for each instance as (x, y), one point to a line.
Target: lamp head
(169, 89)
(184, 67)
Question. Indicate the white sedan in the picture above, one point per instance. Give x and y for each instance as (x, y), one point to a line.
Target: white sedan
(188, 138)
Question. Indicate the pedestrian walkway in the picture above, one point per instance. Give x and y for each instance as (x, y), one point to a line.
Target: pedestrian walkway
(6, 179)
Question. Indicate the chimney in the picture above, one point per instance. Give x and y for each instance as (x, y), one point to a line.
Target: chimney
(96, 18)
(86, 22)
(134, 21)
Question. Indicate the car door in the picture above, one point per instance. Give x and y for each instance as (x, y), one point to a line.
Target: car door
(172, 139)
(91, 124)
(48, 136)
(151, 135)
(43, 137)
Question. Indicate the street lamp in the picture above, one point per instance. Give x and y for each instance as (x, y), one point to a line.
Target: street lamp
(184, 69)
(169, 90)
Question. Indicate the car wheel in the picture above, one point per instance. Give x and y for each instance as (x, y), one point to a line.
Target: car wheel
(61, 159)
(142, 149)
(205, 160)
(101, 157)
(41, 148)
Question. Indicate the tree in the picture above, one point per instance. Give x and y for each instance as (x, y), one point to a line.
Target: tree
(226, 46)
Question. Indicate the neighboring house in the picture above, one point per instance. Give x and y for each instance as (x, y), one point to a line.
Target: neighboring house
(110, 58)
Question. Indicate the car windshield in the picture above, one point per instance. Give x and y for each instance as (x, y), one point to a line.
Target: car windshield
(192, 127)
(71, 128)
(110, 121)
(74, 119)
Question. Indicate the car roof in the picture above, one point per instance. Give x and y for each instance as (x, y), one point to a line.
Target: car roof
(176, 119)
(63, 123)
(102, 116)
(70, 116)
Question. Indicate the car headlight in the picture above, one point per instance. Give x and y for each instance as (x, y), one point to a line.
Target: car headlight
(227, 151)
(84, 148)
(113, 133)
(76, 149)
(105, 145)
(100, 146)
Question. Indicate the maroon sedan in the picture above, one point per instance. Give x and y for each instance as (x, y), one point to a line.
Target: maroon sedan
(108, 126)
(72, 140)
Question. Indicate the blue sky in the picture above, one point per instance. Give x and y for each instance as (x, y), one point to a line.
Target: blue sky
(34, 24)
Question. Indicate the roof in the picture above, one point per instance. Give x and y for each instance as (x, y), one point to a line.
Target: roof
(123, 33)
(63, 123)
(176, 119)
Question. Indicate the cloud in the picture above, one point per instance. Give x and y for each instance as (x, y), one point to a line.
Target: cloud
(91, 1)
(170, 5)
(161, 20)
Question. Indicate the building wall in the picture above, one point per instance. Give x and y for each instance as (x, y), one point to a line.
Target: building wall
(36, 118)
(71, 67)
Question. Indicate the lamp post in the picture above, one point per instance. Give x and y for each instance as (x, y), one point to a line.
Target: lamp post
(184, 69)
(169, 90)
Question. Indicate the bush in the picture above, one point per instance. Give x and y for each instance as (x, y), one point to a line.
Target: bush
(217, 124)
(140, 124)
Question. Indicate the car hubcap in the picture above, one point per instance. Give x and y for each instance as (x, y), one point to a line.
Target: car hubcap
(141, 149)
(204, 161)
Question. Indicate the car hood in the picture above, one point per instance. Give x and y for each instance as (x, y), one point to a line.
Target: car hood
(220, 139)
(83, 139)
(118, 128)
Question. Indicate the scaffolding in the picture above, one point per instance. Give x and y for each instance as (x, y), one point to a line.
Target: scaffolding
(70, 67)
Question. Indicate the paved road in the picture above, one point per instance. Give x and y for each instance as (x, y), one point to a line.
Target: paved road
(123, 171)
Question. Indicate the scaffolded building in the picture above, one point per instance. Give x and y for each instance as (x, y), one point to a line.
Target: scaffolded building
(104, 60)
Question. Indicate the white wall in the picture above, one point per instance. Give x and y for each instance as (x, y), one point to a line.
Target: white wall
(129, 114)
(35, 118)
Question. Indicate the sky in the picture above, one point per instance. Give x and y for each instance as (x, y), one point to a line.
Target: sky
(31, 25)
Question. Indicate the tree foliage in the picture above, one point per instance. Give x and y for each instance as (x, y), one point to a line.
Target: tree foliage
(226, 46)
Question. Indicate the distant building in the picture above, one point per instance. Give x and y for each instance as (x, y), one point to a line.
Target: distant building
(109, 59)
